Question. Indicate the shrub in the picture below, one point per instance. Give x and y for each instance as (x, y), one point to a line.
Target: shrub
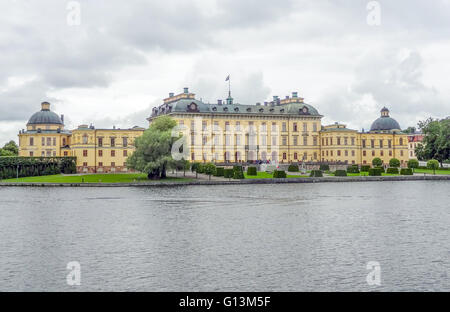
(220, 171)
(381, 169)
(35, 166)
(375, 171)
(209, 169)
(394, 163)
(365, 168)
(293, 168)
(391, 170)
(406, 171)
(228, 173)
(324, 167)
(433, 164)
(238, 172)
(200, 168)
(316, 173)
(353, 169)
(413, 164)
(194, 167)
(341, 173)
(252, 171)
(377, 162)
(279, 174)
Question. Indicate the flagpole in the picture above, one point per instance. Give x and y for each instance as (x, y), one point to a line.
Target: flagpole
(229, 86)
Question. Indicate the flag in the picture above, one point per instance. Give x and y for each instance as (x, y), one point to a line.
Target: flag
(228, 78)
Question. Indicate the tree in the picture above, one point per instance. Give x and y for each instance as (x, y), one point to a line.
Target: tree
(377, 162)
(210, 169)
(409, 130)
(413, 164)
(433, 164)
(394, 163)
(436, 141)
(153, 149)
(10, 149)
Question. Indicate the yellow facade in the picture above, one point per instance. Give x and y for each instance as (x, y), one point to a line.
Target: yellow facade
(97, 150)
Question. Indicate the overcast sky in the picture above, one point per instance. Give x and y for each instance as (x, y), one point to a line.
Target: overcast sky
(124, 57)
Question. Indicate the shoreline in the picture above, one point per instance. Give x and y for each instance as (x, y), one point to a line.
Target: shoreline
(235, 182)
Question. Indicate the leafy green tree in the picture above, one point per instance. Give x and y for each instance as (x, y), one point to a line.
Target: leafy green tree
(394, 163)
(10, 149)
(153, 149)
(433, 164)
(409, 130)
(377, 162)
(436, 141)
(210, 169)
(413, 164)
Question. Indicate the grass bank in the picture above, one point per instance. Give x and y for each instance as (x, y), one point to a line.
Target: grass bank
(93, 178)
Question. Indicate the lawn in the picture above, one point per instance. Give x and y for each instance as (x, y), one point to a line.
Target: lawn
(267, 175)
(93, 178)
(429, 171)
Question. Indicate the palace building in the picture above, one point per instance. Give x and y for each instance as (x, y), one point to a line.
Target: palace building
(282, 130)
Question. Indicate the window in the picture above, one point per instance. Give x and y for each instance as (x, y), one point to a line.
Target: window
(331, 153)
(353, 141)
(327, 141)
(84, 139)
(295, 140)
(204, 140)
(216, 126)
(54, 141)
(64, 142)
(314, 127)
(124, 142)
(216, 140)
(263, 127)
(227, 126)
(284, 140)
(274, 127)
(42, 153)
(192, 125)
(345, 141)
(192, 156)
(372, 143)
(85, 164)
(315, 141)
(283, 127)
(315, 155)
(381, 153)
(339, 153)
(85, 153)
(305, 140)
(284, 156)
(113, 142)
(364, 143)
(373, 153)
(125, 153)
(31, 154)
(251, 127)
(65, 153)
(401, 153)
(390, 153)
(364, 153)
(100, 164)
(31, 141)
(331, 141)
(49, 141)
(353, 153)
(192, 139)
(346, 153)
(305, 127)
(390, 143)
(264, 140)
(295, 127)
(274, 140)
(100, 153)
(204, 125)
(113, 164)
(295, 156)
(113, 153)
(401, 142)
(100, 142)
(381, 143)
(228, 139)
(338, 141)
(238, 126)
(238, 139)
(54, 153)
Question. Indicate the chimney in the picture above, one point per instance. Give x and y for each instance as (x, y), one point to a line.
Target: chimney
(287, 97)
(171, 94)
(219, 102)
(62, 118)
(186, 90)
(294, 94)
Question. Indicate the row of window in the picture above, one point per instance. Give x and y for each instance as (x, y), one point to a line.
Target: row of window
(100, 164)
(345, 141)
(251, 156)
(364, 153)
(112, 141)
(48, 153)
(251, 126)
(100, 153)
(47, 141)
(251, 140)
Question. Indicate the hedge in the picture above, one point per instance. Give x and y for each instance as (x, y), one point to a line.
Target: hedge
(238, 172)
(316, 173)
(341, 173)
(381, 169)
(375, 171)
(392, 170)
(251, 171)
(279, 174)
(228, 173)
(293, 168)
(365, 168)
(353, 169)
(324, 168)
(219, 171)
(36, 166)
(406, 171)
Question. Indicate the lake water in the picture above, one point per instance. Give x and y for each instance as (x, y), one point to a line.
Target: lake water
(289, 237)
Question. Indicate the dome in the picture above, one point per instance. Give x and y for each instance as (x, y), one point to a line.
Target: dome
(45, 116)
(385, 123)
